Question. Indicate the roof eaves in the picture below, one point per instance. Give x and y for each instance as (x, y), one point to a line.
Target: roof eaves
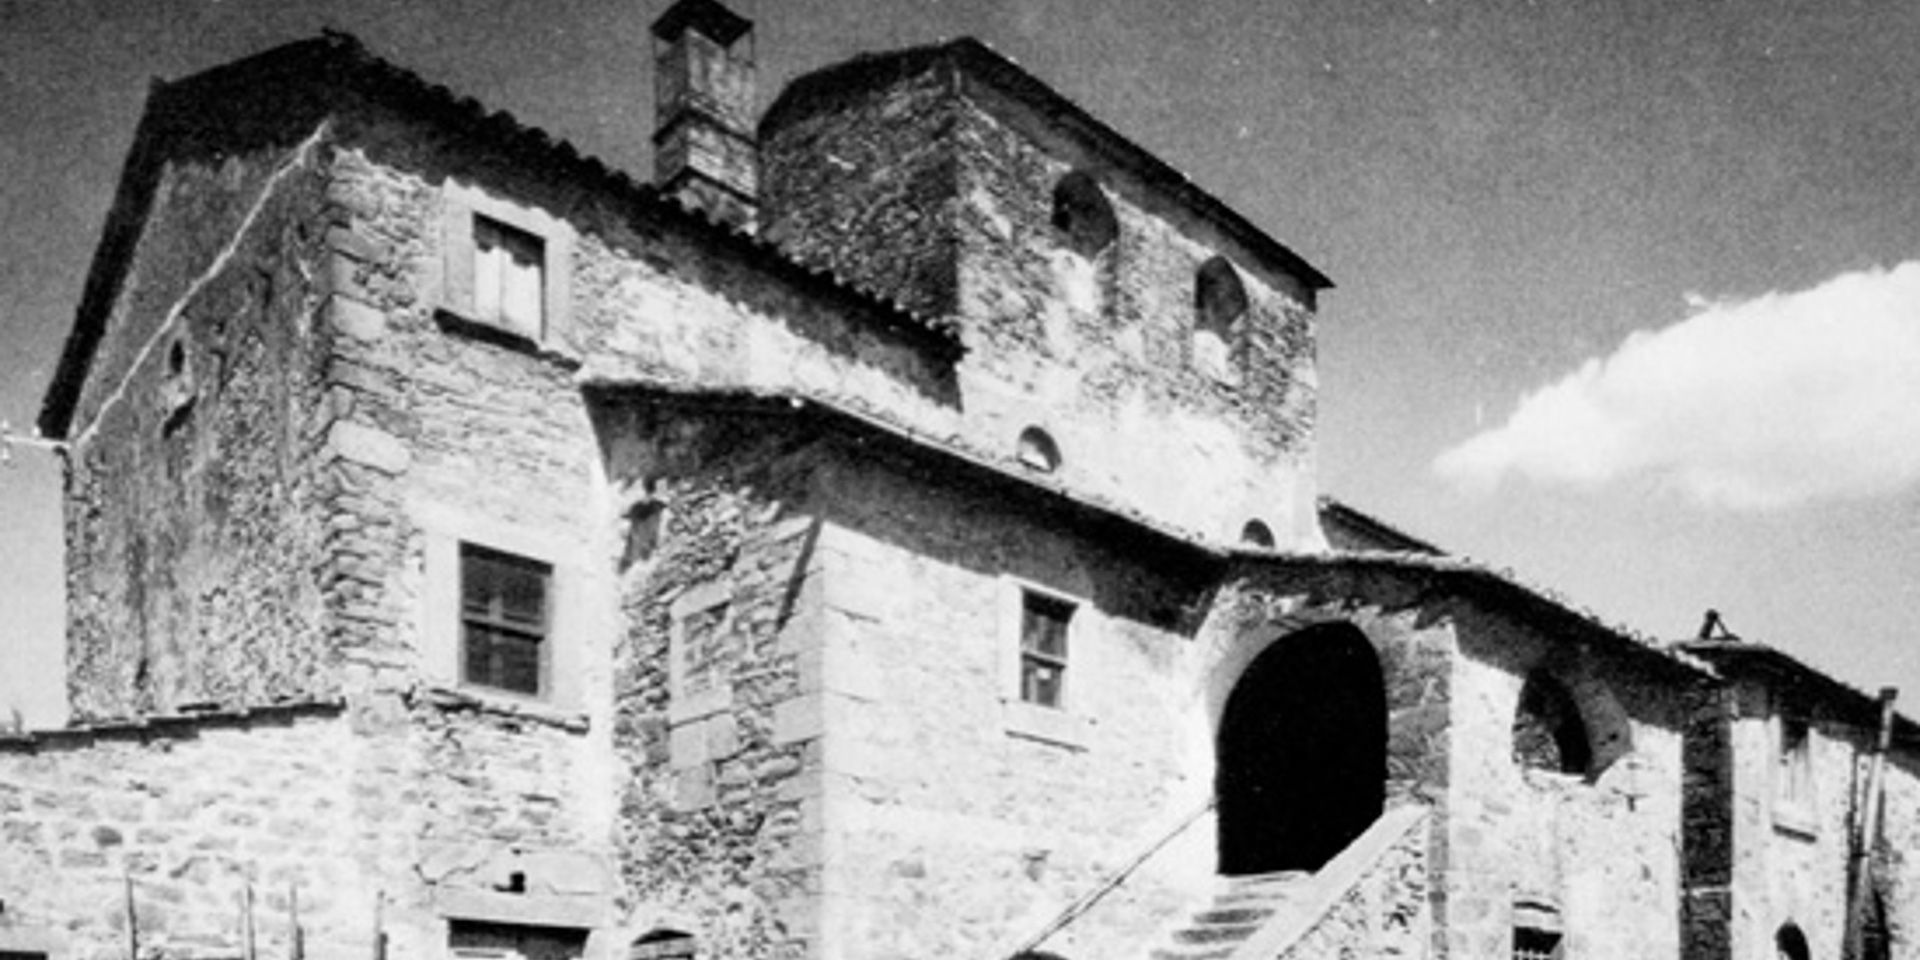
(976, 58)
(952, 460)
(1778, 661)
(1503, 588)
(184, 723)
(380, 77)
(1376, 525)
(340, 61)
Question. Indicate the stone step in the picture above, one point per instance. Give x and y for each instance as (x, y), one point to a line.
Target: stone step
(1250, 913)
(1191, 952)
(1240, 907)
(1266, 879)
(1222, 933)
(1263, 896)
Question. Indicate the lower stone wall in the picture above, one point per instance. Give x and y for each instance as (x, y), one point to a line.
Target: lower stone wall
(174, 823)
(383, 820)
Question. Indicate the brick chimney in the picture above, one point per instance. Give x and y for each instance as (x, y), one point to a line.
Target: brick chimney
(703, 148)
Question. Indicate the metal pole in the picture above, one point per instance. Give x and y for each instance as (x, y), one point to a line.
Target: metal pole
(246, 925)
(297, 950)
(379, 925)
(133, 921)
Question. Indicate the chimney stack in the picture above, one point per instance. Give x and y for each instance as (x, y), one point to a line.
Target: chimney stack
(703, 147)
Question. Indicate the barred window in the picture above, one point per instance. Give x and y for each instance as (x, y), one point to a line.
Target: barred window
(1533, 944)
(504, 620)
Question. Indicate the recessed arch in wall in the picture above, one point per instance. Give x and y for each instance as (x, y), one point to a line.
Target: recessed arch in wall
(1083, 215)
(1548, 730)
(1219, 301)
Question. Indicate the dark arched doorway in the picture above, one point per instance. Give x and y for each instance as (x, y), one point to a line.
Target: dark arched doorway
(1790, 944)
(1301, 752)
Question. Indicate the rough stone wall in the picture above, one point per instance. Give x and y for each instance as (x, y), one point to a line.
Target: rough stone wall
(1601, 850)
(1898, 863)
(366, 818)
(1706, 828)
(186, 817)
(960, 820)
(942, 199)
(192, 534)
(1100, 351)
(1790, 862)
(718, 730)
(865, 185)
(441, 437)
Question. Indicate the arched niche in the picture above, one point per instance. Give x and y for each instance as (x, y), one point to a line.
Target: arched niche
(1083, 215)
(1219, 301)
(1548, 730)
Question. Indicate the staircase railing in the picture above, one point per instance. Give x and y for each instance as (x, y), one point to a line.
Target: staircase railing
(1086, 901)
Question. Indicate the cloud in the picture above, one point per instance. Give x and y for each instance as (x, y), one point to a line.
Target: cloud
(1750, 405)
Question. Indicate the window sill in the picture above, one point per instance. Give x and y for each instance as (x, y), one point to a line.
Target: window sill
(461, 325)
(1047, 725)
(502, 704)
(1796, 821)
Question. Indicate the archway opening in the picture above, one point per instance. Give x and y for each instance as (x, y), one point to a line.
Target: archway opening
(1301, 752)
(1790, 944)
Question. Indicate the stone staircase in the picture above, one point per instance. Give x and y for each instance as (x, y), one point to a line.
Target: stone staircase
(1241, 906)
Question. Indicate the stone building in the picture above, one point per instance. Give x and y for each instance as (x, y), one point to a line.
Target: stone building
(891, 532)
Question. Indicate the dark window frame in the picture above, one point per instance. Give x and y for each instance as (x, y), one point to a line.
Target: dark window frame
(1046, 630)
(493, 623)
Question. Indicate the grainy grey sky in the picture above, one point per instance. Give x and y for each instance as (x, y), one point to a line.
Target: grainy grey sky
(1504, 190)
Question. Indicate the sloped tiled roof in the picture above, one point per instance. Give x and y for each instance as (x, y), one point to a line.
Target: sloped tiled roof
(973, 58)
(311, 79)
(1501, 589)
(1733, 656)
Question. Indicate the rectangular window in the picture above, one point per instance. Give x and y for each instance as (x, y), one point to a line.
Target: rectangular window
(1534, 944)
(479, 940)
(503, 620)
(1043, 649)
(509, 277)
(1796, 763)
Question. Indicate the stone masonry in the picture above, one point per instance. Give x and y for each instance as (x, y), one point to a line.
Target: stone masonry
(905, 538)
